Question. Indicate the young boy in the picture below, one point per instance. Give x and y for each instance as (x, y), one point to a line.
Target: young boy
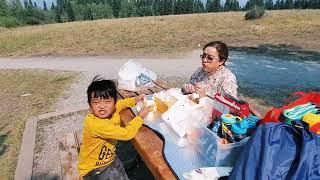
(97, 158)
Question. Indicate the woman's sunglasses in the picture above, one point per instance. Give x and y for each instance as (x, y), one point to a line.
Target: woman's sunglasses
(204, 56)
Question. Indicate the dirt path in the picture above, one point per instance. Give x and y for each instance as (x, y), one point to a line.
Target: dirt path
(108, 67)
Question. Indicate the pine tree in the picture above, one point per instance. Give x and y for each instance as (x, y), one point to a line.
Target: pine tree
(298, 4)
(252, 3)
(247, 6)
(25, 3)
(277, 5)
(69, 11)
(59, 9)
(35, 5)
(304, 4)
(178, 7)
(52, 6)
(166, 7)
(314, 4)
(269, 4)
(60, 4)
(30, 4)
(234, 5)
(289, 4)
(128, 9)
(155, 8)
(45, 6)
(90, 17)
(213, 6)
(199, 7)
(3, 8)
(15, 8)
(116, 6)
(282, 4)
(227, 5)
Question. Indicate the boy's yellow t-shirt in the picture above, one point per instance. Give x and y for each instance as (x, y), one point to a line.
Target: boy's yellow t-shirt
(100, 135)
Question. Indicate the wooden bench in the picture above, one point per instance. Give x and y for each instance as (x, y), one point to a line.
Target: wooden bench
(69, 147)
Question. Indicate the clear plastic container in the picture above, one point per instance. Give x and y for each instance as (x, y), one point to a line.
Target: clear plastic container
(209, 145)
(161, 106)
(164, 101)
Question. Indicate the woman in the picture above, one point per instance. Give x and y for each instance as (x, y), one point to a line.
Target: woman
(213, 77)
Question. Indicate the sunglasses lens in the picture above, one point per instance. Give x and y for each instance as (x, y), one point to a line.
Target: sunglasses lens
(210, 59)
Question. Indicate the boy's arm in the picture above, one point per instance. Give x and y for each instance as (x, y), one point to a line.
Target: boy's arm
(129, 102)
(110, 131)
(124, 103)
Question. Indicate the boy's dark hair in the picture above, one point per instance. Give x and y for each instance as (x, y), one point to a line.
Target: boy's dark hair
(222, 49)
(101, 88)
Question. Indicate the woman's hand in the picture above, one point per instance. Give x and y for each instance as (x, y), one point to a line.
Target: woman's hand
(144, 112)
(200, 89)
(188, 88)
(139, 98)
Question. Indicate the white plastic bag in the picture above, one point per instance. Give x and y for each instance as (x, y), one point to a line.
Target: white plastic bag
(133, 76)
(207, 173)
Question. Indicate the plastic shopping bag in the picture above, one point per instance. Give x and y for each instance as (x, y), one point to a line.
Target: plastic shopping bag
(133, 76)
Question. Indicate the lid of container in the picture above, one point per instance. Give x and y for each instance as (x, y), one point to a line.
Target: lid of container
(252, 121)
(237, 128)
(228, 118)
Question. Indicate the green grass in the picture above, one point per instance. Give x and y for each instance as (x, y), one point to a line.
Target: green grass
(166, 35)
(16, 106)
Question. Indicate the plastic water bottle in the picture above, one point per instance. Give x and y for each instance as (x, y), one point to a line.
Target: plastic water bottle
(216, 126)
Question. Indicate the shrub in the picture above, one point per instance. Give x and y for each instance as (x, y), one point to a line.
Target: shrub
(32, 21)
(8, 21)
(255, 12)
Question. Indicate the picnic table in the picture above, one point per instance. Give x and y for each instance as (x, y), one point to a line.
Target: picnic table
(147, 143)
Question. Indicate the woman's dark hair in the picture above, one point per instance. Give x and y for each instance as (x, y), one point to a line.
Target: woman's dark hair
(222, 49)
(101, 88)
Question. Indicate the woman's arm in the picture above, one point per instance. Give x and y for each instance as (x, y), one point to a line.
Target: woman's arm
(229, 86)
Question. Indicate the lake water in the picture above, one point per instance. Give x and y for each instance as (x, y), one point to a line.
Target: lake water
(272, 77)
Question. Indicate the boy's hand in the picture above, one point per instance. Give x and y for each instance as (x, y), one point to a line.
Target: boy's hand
(139, 98)
(144, 112)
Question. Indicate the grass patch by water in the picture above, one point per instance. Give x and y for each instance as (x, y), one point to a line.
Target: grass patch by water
(24, 93)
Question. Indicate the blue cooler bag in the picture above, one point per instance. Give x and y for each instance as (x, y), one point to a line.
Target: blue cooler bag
(279, 151)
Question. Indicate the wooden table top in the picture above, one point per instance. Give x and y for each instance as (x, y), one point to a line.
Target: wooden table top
(147, 143)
